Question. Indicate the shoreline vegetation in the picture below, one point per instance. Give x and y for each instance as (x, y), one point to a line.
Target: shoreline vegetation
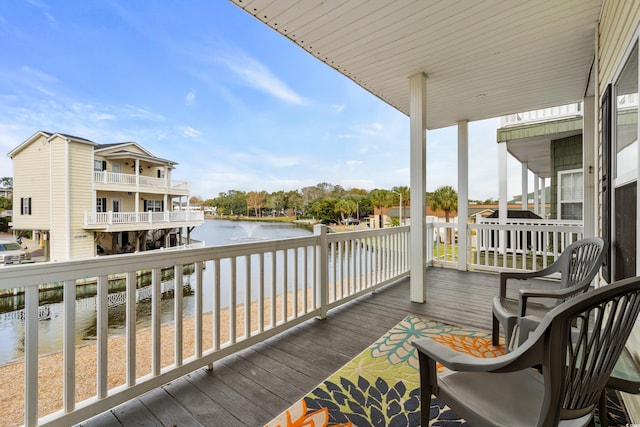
(50, 366)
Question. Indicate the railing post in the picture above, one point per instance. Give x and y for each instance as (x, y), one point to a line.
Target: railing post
(323, 267)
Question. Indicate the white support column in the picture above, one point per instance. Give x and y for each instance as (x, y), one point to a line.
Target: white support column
(463, 192)
(588, 167)
(418, 160)
(502, 181)
(525, 186)
(543, 198)
(536, 194)
(502, 191)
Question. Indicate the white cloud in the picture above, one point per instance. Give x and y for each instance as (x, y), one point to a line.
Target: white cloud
(372, 129)
(282, 162)
(190, 98)
(338, 108)
(134, 112)
(354, 162)
(38, 74)
(258, 76)
(103, 116)
(190, 132)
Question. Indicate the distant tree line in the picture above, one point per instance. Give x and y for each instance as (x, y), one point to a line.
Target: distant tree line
(323, 202)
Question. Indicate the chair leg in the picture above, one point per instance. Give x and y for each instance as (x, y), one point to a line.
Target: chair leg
(495, 331)
(602, 409)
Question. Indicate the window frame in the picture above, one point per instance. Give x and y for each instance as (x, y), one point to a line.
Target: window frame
(580, 200)
(26, 206)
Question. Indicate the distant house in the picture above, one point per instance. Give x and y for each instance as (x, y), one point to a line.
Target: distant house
(548, 143)
(6, 192)
(85, 199)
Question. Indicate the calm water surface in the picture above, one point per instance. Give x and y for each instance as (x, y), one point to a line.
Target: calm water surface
(212, 232)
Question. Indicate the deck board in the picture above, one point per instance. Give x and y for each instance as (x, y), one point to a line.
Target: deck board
(253, 386)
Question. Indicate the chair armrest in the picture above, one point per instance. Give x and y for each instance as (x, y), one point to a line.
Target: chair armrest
(524, 275)
(562, 293)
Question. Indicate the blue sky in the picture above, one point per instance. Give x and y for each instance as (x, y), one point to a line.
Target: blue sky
(204, 84)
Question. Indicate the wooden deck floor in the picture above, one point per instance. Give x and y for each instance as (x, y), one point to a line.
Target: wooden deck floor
(252, 387)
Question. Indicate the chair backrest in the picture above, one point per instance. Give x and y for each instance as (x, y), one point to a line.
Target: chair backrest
(581, 260)
(584, 338)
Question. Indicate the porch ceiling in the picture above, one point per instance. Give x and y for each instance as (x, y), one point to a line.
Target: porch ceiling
(483, 58)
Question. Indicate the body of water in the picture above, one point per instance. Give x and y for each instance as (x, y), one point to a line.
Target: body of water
(212, 233)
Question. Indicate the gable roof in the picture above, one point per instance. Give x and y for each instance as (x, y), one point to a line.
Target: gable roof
(48, 136)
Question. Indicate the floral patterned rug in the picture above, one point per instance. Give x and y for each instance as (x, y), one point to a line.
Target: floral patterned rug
(381, 386)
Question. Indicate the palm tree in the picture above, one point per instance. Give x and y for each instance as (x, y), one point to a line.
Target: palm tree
(379, 198)
(445, 199)
(345, 207)
(403, 201)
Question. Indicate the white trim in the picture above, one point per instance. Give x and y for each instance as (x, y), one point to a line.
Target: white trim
(463, 192)
(589, 178)
(562, 174)
(418, 160)
(525, 186)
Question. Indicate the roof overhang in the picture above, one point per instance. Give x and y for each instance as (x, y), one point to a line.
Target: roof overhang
(530, 143)
(126, 154)
(483, 58)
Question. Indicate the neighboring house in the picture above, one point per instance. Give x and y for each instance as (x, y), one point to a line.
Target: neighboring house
(548, 143)
(85, 199)
(6, 192)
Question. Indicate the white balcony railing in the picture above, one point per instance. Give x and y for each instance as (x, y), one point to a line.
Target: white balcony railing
(257, 290)
(544, 114)
(132, 180)
(525, 245)
(97, 219)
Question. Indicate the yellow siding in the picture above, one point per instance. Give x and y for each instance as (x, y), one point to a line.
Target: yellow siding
(81, 200)
(127, 201)
(71, 176)
(31, 179)
(59, 233)
(133, 148)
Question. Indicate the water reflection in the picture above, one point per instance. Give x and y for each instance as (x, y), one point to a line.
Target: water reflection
(212, 232)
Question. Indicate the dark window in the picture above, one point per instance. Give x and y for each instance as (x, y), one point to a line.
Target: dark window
(101, 204)
(25, 205)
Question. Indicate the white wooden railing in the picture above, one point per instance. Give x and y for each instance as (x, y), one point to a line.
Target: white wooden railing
(282, 283)
(128, 179)
(111, 218)
(523, 245)
(569, 110)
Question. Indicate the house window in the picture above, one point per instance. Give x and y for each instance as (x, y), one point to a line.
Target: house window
(160, 173)
(99, 165)
(101, 204)
(570, 194)
(25, 205)
(153, 206)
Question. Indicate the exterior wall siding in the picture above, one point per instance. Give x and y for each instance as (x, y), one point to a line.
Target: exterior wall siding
(81, 200)
(31, 178)
(618, 25)
(566, 154)
(59, 231)
(617, 32)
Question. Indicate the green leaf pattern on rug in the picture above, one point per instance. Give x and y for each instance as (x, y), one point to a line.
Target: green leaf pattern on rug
(396, 347)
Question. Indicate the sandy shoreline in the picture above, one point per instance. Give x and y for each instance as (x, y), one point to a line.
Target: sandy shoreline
(50, 385)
